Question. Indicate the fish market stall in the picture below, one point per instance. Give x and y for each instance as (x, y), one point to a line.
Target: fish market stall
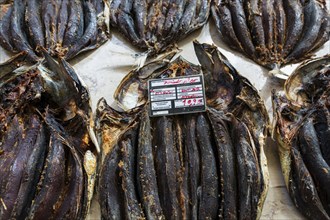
(104, 68)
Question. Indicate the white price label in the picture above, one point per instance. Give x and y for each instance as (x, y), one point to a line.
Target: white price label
(179, 95)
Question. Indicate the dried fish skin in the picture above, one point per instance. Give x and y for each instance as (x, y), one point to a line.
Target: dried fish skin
(199, 166)
(302, 123)
(43, 141)
(64, 28)
(273, 33)
(156, 25)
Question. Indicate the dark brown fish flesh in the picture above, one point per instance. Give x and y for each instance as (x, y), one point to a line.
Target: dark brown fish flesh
(205, 165)
(47, 156)
(157, 25)
(302, 130)
(64, 27)
(273, 33)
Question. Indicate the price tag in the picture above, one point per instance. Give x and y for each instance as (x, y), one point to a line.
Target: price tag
(179, 95)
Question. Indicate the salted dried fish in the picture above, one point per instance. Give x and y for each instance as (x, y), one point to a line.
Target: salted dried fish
(166, 166)
(198, 166)
(208, 201)
(273, 33)
(112, 197)
(157, 25)
(133, 210)
(44, 138)
(64, 28)
(5, 38)
(301, 128)
(19, 38)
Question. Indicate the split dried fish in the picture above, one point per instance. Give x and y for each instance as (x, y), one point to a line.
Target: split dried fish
(157, 25)
(196, 166)
(302, 130)
(47, 157)
(65, 28)
(273, 33)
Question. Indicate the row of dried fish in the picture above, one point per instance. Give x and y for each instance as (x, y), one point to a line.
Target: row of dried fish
(47, 157)
(196, 166)
(64, 27)
(303, 131)
(273, 33)
(156, 25)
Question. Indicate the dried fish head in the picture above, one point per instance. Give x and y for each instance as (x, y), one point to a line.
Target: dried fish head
(110, 124)
(132, 90)
(307, 83)
(221, 86)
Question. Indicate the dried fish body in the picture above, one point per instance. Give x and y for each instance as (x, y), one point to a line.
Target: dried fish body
(302, 123)
(128, 173)
(18, 35)
(273, 33)
(146, 174)
(166, 166)
(157, 25)
(193, 166)
(208, 201)
(203, 165)
(227, 166)
(112, 196)
(5, 37)
(42, 154)
(64, 28)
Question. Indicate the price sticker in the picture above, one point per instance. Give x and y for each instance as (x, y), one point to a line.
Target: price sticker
(180, 95)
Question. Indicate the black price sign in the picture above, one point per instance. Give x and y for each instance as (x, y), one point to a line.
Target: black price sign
(180, 95)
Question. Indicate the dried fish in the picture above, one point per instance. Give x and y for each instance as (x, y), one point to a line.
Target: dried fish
(200, 166)
(301, 128)
(166, 166)
(273, 33)
(64, 28)
(43, 141)
(156, 25)
(208, 201)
